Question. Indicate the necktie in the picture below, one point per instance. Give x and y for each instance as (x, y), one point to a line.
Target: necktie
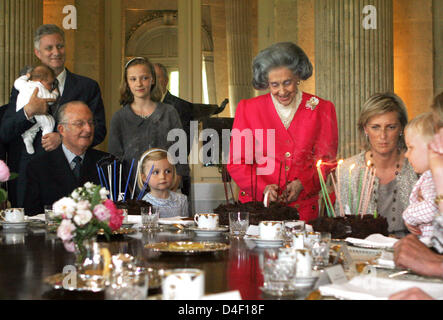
(78, 164)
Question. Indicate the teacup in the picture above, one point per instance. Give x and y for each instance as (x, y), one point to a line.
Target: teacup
(270, 230)
(13, 215)
(183, 284)
(206, 220)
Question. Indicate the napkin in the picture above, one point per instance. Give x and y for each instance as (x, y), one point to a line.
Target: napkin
(253, 230)
(40, 216)
(386, 260)
(175, 220)
(375, 240)
(369, 287)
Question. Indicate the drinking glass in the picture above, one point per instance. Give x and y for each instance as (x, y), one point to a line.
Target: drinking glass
(50, 221)
(149, 217)
(238, 223)
(129, 285)
(320, 250)
(292, 227)
(278, 272)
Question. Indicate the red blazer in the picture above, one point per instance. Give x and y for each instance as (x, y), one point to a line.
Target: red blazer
(261, 143)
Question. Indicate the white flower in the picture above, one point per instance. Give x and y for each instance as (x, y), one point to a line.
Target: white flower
(65, 230)
(82, 217)
(75, 195)
(83, 205)
(89, 185)
(104, 193)
(64, 207)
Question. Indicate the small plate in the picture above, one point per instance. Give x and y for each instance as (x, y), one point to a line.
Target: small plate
(127, 225)
(184, 221)
(305, 282)
(262, 243)
(279, 293)
(14, 225)
(187, 247)
(208, 232)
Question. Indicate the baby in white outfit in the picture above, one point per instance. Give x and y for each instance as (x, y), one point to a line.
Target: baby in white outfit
(41, 77)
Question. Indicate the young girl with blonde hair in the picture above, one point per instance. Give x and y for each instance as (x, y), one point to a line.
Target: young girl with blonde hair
(155, 166)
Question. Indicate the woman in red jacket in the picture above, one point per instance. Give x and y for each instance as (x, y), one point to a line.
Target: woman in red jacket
(277, 138)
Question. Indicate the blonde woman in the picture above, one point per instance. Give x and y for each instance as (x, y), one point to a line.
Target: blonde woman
(381, 124)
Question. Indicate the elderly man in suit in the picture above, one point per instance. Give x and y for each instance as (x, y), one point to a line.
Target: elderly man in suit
(184, 109)
(49, 47)
(55, 174)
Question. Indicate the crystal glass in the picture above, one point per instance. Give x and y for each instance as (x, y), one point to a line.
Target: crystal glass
(238, 223)
(291, 227)
(278, 271)
(50, 221)
(320, 250)
(128, 285)
(149, 217)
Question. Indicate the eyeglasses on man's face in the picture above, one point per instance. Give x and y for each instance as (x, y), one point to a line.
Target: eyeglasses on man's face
(80, 123)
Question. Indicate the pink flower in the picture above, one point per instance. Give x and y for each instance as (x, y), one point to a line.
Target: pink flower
(4, 172)
(116, 219)
(101, 212)
(65, 230)
(69, 246)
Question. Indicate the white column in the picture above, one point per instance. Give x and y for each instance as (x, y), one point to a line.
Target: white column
(18, 21)
(189, 50)
(239, 45)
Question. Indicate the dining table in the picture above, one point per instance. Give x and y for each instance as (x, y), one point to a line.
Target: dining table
(30, 256)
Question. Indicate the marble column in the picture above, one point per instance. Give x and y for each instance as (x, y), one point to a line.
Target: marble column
(18, 21)
(437, 14)
(239, 45)
(354, 59)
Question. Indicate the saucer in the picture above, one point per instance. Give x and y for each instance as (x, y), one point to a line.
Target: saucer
(14, 225)
(265, 243)
(279, 293)
(200, 232)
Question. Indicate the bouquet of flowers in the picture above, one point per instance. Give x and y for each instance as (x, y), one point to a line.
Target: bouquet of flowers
(83, 214)
(5, 175)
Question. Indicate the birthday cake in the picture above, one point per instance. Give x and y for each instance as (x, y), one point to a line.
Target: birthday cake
(257, 212)
(351, 226)
(133, 206)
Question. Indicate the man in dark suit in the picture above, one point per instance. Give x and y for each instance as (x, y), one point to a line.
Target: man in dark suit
(184, 109)
(55, 174)
(49, 47)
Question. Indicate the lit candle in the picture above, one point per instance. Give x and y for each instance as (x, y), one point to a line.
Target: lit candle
(371, 186)
(349, 186)
(363, 189)
(325, 190)
(322, 188)
(338, 187)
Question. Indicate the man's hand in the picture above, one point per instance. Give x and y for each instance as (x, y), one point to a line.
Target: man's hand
(37, 105)
(51, 141)
(412, 254)
(411, 294)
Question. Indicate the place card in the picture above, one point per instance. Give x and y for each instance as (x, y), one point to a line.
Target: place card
(336, 274)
